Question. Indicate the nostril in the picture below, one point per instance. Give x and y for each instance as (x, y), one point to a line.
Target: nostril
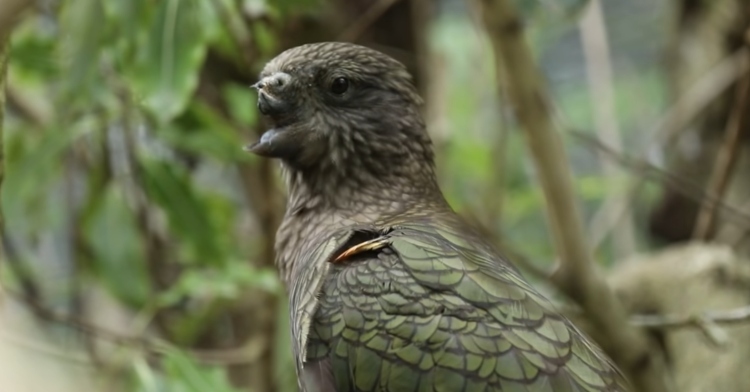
(275, 81)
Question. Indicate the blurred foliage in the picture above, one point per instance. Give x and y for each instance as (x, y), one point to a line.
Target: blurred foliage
(111, 154)
(124, 171)
(180, 373)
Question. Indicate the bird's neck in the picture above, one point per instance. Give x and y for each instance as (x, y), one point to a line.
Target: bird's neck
(366, 196)
(386, 169)
(319, 205)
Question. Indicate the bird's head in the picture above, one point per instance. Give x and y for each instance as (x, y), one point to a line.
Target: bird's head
(338, 106)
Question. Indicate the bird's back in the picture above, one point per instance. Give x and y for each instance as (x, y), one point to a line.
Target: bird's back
(433, 308)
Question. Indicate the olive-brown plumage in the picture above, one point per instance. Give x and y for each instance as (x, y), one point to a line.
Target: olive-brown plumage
(389, 289)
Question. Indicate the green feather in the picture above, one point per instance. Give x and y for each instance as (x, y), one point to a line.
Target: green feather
(435, 310)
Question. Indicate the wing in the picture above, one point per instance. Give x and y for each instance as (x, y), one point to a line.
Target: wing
(308, 278)
(433, 312)
(303, 301)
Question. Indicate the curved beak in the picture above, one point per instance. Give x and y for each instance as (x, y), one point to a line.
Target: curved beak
(269, 105)
(270, 90)
(273, 101)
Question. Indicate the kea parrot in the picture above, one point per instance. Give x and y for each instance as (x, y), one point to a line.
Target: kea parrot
(389, 289)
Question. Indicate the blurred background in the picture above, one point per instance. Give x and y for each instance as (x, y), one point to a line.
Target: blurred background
(138, 236)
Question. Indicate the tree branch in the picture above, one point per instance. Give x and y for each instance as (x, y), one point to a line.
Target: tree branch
(599, 71)
(9, 11)
(577, 275)
(370, 16)
(731, 316)
(708, 322)
(726, 159)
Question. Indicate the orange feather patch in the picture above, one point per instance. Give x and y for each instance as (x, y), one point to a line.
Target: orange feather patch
(373, 244)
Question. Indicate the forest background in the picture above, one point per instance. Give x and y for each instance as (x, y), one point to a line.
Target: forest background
(137, 236)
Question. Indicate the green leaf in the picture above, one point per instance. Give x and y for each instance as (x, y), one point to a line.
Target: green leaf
(33, 169)
(241, 101)
(188, 215)
(30, 51)
(166, 73)
(203, 131)
(222, 283)
(179, 372)
(81, 45)
(264, 37)
(147, 379)
(190, 377)
(117, 253)
(128, 17)
(287, 7)
(129, 23)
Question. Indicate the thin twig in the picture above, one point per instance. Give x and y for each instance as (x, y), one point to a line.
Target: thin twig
(33, 345)
(726, 160)
(577, 275)
(673, 181)
(708, 322)
(731, 316)
(150, 346)
(370, 16)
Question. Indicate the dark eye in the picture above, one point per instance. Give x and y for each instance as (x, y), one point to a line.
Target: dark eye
(339, 86)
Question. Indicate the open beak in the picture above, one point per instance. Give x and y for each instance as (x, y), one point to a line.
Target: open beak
(272, 104)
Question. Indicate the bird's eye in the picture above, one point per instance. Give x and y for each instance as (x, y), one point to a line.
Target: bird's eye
(339, 86)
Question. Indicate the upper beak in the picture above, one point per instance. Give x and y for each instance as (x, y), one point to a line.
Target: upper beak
(270, 105)
(270, 90)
